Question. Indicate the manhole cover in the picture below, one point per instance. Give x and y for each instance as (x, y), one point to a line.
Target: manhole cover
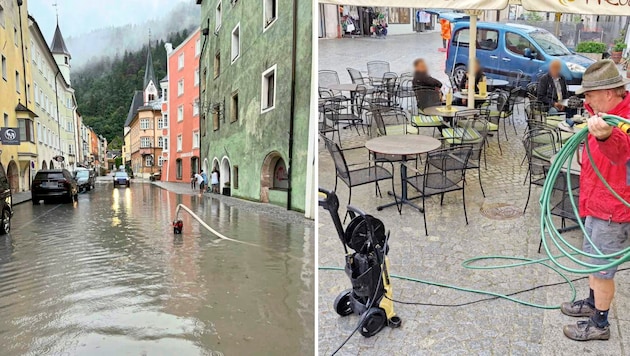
(501, 211)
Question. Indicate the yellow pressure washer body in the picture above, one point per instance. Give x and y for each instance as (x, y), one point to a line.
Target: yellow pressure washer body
(367, 267)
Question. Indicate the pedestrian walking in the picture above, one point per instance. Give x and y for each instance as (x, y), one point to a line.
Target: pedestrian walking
(199, 180)
(446, 33)
(607, 218)
(215, 181)
(579, 27)
(204, 182)
(193, 181)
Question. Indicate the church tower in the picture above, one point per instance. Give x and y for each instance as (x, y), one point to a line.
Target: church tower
(150, 84)
(61, 54)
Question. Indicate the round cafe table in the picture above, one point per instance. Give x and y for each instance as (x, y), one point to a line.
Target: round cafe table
(402, 145)
(440, 110)
(343, 87)
(573, 88)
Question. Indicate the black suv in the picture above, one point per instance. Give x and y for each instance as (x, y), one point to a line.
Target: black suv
(6, 203)
(85, 178)
(54, 184)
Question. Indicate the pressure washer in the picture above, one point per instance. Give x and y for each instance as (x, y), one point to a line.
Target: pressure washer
(367, 267)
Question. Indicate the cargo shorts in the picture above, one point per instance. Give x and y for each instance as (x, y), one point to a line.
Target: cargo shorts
(608, 237)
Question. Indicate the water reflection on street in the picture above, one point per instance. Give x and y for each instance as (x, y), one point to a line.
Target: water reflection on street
(107, 276)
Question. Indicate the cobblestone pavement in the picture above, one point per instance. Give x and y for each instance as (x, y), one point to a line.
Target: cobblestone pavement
(496, 327)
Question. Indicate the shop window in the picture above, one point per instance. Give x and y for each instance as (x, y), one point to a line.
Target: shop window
(178, 168)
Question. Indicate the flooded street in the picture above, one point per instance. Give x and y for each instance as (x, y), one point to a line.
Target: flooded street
(107, 276)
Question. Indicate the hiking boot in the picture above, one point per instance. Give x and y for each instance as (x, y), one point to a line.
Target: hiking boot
(586, 330)
(579, 308)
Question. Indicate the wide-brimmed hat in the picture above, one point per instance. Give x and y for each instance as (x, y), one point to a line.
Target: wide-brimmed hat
(601, 75)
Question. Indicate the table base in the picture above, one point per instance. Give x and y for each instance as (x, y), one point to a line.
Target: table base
(400, 200)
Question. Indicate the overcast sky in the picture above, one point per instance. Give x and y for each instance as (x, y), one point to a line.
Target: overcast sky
(80, 16)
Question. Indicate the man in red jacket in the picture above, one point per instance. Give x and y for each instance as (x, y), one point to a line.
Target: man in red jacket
(607, 218)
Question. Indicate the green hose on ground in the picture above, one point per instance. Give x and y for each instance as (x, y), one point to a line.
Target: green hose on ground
(548, 229)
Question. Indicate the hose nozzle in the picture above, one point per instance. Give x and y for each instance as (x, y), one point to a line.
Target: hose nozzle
(625, 127)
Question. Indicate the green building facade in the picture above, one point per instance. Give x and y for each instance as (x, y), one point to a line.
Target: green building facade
(248, 119)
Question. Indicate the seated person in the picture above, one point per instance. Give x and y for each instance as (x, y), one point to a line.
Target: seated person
(479, 75)
(552, 89)
(423, 81)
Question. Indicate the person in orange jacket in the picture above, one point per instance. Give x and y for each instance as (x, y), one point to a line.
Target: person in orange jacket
(446, 31)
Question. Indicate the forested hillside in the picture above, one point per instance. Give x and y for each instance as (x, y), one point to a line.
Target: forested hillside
(104, 88)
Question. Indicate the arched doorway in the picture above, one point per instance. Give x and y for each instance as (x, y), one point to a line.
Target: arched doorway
(225, 173)
(52, 164)
(13, 174)
(273, 175)
(44, 165)
(194, 164)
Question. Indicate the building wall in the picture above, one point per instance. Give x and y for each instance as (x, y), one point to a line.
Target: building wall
(138, 163)
(189, 125)
(257, 139)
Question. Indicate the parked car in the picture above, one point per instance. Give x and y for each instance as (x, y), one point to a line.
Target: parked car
(121, 178)
(6, 204)
(54, 184)
(503, 49)
(85, 178)
(155, 176)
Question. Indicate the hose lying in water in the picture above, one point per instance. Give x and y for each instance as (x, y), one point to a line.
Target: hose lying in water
(218, 234)
(548, 230)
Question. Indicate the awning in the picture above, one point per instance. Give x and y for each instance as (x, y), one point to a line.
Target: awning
(429, 4)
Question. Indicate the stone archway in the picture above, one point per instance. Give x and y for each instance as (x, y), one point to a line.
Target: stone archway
(267, 174)
(225, 173)
(44, 165)
(13, 174)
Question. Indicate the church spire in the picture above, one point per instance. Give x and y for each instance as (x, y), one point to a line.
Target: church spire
(149, 73)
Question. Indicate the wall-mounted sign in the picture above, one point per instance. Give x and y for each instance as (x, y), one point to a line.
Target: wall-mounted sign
(9, 136)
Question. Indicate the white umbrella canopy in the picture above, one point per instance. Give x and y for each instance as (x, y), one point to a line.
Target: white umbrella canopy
(599, 7)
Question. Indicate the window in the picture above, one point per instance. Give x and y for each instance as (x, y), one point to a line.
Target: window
(17, 81)
(28, 92)
(198, 47)
(165, 143)
(165, 120)
(145, 142)
(148, 161)
(160, 161)
(160, 123)
(165, 94)
(180, 113)
(270, 12)
(160, 142)
(486, 39)
(180, 87)
(36, 94)
(217, 65)
(39, 132)
(6, 120)
(197, 77)
(2, 23)
(70, 149)
(179, 143)
(517, 44)
(268, 99)
(236, 43)
(178, 168)
(234, 107)
(15, 35)
(4, 67)
(196, 107)
(215, 118)
(195, 142)
(180, 61)
(26, 131)
(235, 177)
(217, 16)
(144, 124)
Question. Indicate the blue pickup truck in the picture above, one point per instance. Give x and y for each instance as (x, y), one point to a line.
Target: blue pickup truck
(503, 48)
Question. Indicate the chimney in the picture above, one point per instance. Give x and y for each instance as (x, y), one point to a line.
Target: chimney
(169, 47)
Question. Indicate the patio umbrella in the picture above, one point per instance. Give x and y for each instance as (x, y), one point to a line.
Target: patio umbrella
(609, 7)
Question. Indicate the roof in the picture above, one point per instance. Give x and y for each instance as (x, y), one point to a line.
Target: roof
(136, 102)
(58, 44)
(55, 65)
(165, 79)
(21, 108)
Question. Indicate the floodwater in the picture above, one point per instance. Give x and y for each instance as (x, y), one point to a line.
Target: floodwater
(107, 276)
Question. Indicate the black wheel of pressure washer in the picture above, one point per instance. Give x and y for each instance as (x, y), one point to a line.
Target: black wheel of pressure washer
(356, 233)
(343, 304)
(373, 322)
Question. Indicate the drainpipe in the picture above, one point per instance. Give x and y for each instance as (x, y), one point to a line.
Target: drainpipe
(292, 118)
(205, 32)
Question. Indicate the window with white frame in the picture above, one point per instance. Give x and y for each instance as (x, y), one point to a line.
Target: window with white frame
(268, 99)
(39, 132)
(197, 77)
(165, 120)
(165, 144)
(198, 47)
(236, 42)
(148, 160)
(217, 16)
(2, 21)
(180, 113)
(180, 61)
(180, 87)
(28, 93)
(160, 123)
(145, 142)
(160, 161)
(179, 143)
(4, 67)
(36, 94)
(270, 12)
(195, 142)
(17, 81)
(144, 124)
(15, 35)
(196, 107)
(160, 142)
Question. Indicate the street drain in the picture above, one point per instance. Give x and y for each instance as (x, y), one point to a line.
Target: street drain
(500, 211)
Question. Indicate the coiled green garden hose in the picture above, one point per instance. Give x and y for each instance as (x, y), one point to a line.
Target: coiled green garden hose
(548, 229)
